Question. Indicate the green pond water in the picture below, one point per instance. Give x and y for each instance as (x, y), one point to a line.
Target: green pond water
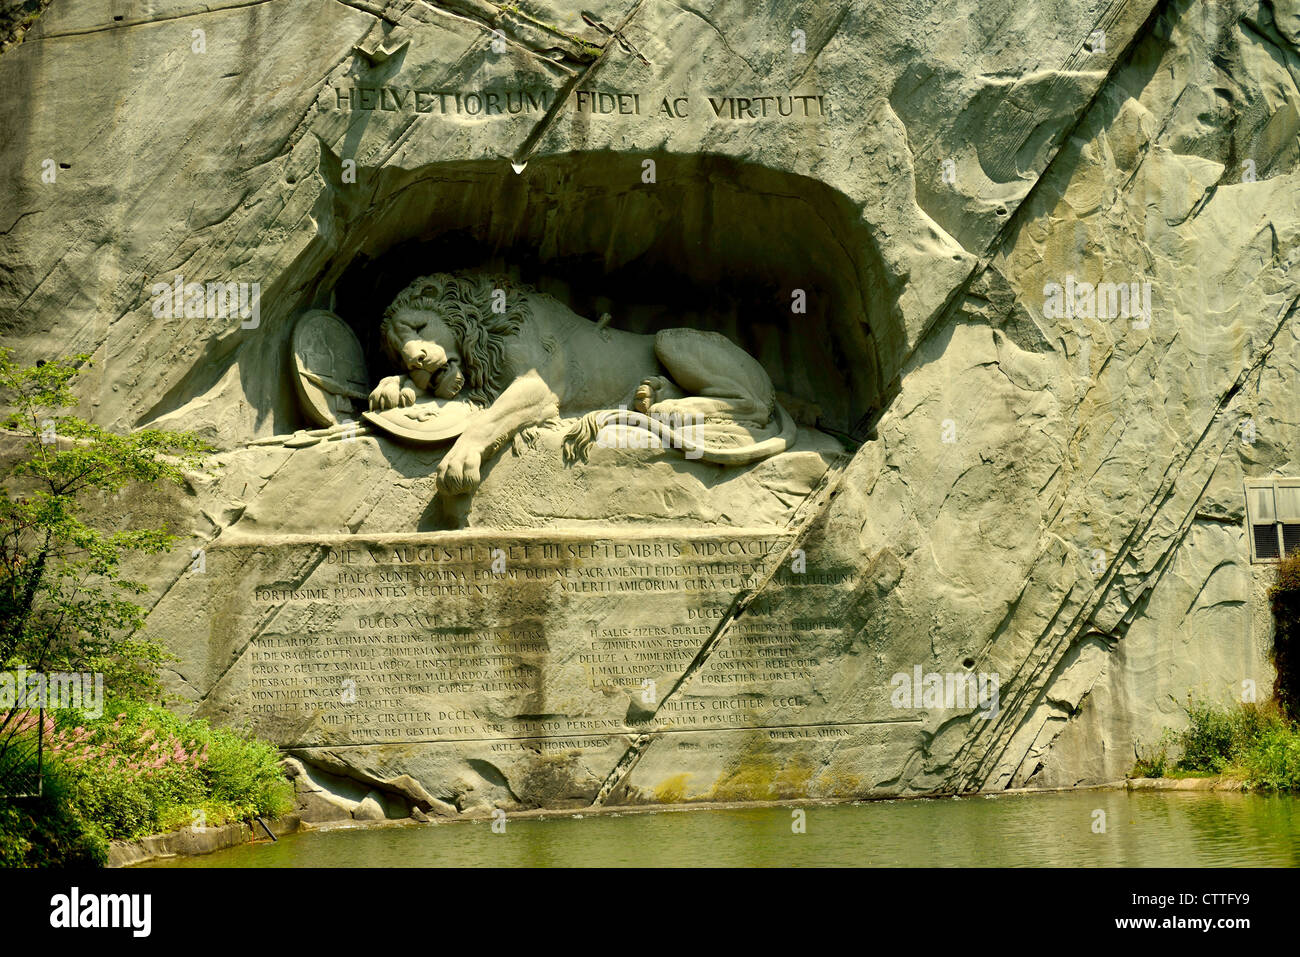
(1142, 829)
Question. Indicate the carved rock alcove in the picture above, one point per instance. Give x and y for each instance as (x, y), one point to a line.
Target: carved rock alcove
(778, 263)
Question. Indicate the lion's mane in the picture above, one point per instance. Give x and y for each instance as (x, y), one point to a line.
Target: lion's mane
(464, 303)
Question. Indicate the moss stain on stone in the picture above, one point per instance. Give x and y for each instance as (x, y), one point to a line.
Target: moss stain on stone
(758, 775)
(672, 790)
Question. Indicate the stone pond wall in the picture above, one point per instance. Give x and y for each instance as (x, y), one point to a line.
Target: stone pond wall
(1052, 496)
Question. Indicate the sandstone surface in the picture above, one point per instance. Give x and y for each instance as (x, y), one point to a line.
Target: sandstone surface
(1025, 489)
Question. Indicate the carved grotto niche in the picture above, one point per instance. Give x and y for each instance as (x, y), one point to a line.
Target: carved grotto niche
(480, 358)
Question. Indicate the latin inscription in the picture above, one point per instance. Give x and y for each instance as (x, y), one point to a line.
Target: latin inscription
(485, 104)
(523, 642)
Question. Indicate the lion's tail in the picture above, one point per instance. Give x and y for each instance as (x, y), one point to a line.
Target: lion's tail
(580, 438)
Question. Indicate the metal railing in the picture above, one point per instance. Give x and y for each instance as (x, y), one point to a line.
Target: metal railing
(22, 753)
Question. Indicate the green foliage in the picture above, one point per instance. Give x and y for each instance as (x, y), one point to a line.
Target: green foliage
(1273, 762)
(1217, 739)
(1154, 765)
(16, 18)
(137, 770)
(1257, 743)
(1209, 741)
(65, 604)
(140, 770)
(48, 831)
(1284, 598)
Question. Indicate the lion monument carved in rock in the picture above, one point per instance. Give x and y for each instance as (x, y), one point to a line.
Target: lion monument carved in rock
(523, 359)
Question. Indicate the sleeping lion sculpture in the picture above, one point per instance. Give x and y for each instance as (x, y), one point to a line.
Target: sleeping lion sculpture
(522, 358)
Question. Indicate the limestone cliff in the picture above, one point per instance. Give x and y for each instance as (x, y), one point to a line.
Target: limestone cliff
(1048, 250)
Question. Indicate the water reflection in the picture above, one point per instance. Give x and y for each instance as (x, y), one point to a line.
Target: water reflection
(1143, 829)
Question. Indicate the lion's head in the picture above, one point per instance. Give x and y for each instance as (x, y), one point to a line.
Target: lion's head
(441, 308)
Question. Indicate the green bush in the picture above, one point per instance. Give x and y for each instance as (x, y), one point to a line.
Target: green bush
(1273, 763)
(137, 770)
(1217, 738)
(140, 769)
(1209, 739)
(1154, 764)
(48, 831)
(1254, 742)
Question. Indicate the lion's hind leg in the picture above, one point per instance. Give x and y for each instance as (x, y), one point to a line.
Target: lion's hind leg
(718, 377)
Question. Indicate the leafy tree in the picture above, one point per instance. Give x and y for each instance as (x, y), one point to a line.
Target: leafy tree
(65, 602)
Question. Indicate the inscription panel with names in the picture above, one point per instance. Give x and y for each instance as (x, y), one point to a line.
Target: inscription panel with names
(544, 643)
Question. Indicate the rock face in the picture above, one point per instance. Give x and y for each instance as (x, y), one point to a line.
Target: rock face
(1023, 273)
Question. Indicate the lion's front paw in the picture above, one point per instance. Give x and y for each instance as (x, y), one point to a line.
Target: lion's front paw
(648, 392)
(459, 471)
(388, 394)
